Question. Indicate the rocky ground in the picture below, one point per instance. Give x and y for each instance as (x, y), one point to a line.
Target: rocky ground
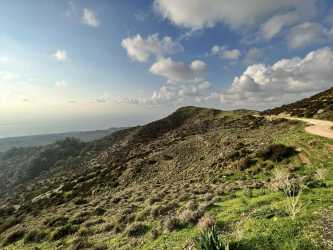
(319, 106)
(158, 186)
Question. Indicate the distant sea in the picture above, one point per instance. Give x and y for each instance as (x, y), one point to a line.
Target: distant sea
(51, 126)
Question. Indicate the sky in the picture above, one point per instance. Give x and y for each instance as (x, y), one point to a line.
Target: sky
(84, 64)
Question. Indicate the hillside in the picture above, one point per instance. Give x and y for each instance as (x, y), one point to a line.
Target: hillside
(319, 106)
(42, 140)
(159, 186)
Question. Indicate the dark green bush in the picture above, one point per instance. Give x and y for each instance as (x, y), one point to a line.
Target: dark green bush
(64, 231)
(172, 224)
(8, 223)
(80, 243)
(137, 229)
(14, 236)
(34, 236)
(100, 246)
(276, 152)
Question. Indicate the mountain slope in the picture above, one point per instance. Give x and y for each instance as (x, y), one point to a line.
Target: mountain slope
(319, 106)
(41, 140)
(147, 187)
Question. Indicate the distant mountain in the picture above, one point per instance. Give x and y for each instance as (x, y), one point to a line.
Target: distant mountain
(41, 140)
(319, 106)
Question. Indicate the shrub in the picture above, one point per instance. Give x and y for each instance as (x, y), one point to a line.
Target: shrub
(80, 243)
(276, 152)
(100, 246)
(14, 237)
(64, 231)
(209, 240)
(280, 179)
(107, 227)
(137, 229)
(100, 211)
(206, 223)
(84, 232)
(10, 222)
(91, 223)
(80, 218)
(321, 174)
(34, 236)
(56, 221)
(154, 234)
(172, 224)
(191, 205)
(190, 217)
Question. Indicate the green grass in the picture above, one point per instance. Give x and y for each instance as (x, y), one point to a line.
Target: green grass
(242, 218)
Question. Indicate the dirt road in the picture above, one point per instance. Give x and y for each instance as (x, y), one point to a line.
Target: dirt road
(316, 127)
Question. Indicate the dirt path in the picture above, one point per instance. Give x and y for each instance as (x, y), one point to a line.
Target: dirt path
(316, 127)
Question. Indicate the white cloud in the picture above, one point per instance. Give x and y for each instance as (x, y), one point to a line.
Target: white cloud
(253, 55)
(196, 14)
(178, 71)
(174, 92)
(224, 53)
(104, 98)
(275, 24)
(306, 34)
(141, 49)
(61, 84)
(283, 81)
(89, 18)
(61, 55)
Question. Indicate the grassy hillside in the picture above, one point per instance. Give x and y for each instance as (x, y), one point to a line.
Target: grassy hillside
(260, 184)
(318, 106)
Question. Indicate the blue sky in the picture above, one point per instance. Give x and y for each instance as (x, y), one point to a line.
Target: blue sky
(62, 60)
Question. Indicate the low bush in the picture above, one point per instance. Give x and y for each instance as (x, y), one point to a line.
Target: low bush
(63, 231)
(137, 229)
(100, 211)
(172, 223)
(100, 246)
(276, 152)
(206, 223)
(190, 217)
(56, 221)
(14, 237)
(80, 243)
(8, 223)
(34, 236)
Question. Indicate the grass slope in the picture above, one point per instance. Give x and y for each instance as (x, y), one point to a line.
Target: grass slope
(153, 186)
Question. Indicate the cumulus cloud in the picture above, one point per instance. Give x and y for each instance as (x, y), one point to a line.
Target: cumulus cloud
(283, 81)
(141, 49)
(178, 71)
(104, 98)
(306, 34)
(275, 24)
(224, 53)
(61, 55)
(197, 14)
(174, 92)
(89, 18)
(253, 55)
(61, 84)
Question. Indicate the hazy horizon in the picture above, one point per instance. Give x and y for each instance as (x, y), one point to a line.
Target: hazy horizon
(137, 61)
